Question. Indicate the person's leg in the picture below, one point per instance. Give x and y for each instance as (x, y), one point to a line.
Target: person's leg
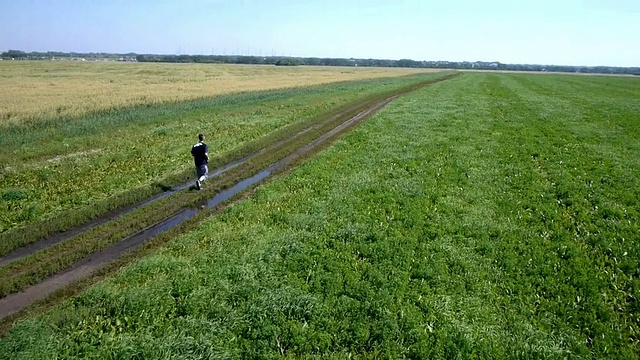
(202, 173)
(198, 176)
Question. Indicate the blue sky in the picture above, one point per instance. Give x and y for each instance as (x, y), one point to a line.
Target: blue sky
(572, 32)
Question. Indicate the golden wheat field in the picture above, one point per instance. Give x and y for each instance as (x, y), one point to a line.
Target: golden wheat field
(42, 89)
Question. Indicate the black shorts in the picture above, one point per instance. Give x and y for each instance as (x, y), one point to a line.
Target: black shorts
(202, 170)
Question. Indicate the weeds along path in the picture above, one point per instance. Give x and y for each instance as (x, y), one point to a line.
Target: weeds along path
(42, 271)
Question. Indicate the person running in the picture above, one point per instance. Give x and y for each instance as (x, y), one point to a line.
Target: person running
(200, 153)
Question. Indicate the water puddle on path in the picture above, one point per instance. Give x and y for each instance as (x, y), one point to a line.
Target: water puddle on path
(187, 214)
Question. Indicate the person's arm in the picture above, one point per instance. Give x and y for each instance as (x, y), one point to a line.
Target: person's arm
(206, 152)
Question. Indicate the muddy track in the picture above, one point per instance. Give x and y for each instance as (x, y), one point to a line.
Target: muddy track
(14, 305)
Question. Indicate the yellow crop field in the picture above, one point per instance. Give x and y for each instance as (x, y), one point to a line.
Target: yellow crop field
(42, 89)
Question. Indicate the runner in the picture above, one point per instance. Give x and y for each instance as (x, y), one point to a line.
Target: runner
(200, 153)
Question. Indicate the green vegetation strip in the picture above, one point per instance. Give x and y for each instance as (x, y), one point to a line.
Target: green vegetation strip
(33, 269)
(491, 216)
(149, 151)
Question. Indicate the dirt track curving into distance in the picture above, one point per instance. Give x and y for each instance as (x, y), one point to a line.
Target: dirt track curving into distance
(16, 304)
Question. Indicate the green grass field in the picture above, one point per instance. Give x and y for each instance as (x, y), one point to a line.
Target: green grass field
(489, 216)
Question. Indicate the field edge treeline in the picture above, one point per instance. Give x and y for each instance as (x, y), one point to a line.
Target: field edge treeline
(317, 61)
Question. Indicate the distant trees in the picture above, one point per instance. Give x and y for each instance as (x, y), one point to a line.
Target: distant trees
(15, 54)
(287, 62)
(408, 63)
(314, 61)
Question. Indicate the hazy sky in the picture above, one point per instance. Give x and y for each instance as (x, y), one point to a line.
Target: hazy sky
(572, 32)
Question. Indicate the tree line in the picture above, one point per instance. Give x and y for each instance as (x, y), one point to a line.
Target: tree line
(315, 61)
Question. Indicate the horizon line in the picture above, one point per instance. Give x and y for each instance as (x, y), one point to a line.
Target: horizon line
(320, 57)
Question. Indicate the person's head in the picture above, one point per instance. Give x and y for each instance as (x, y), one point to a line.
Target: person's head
(201, 137)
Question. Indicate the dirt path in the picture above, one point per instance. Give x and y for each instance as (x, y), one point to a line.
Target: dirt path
(17, 302)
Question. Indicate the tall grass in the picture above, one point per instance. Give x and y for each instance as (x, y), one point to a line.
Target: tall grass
(35, 90)
(488, 216)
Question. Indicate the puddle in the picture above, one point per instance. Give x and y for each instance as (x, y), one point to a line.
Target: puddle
(184, 215)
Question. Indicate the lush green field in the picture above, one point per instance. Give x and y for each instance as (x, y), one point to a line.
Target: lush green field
(490, 216)
(68, 167)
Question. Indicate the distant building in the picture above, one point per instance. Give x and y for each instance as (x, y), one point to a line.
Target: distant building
(128, 59)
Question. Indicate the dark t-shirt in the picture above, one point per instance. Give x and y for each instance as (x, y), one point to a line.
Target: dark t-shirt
(198, 150)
